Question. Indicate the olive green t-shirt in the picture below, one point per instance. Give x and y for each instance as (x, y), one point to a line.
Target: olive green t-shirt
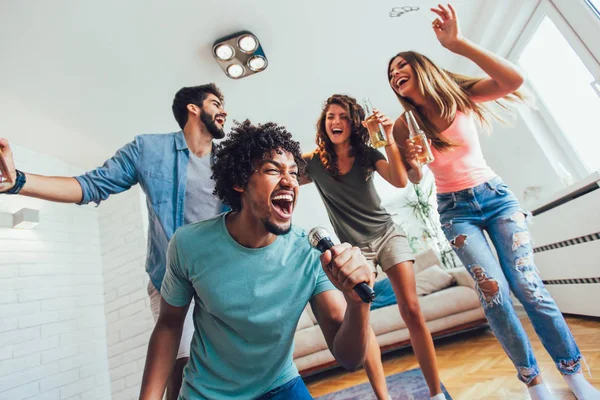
(352, 203)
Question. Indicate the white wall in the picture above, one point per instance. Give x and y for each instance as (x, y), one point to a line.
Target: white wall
(52, 325)
(128, 317)
(513, 150)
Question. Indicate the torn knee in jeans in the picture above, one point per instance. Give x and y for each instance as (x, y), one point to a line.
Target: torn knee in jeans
(520, 238)
(488, 287)
(527, 374)
(520, 218)
(524, 261)
(569, 367)
(526, 267)
(459, 241)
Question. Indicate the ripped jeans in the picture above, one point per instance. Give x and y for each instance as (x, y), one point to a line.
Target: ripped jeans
(492, 207)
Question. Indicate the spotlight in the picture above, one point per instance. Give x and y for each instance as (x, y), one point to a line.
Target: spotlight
(235, 71)
(224, 52)
(257, 63)
(248, 43)
(240, 55)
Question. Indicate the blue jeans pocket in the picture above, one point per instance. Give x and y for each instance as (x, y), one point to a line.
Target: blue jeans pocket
(445, 203)
(502, 189)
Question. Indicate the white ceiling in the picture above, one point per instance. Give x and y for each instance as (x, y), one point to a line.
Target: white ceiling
(80, 78)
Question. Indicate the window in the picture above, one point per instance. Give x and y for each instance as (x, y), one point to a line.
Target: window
(595, 5)
(564, 78)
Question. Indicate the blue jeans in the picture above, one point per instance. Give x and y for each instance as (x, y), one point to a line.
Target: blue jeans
(492, 207)
(292, 390)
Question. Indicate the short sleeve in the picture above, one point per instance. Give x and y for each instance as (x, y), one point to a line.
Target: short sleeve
(176, 288)
(375, 155)
(308, 170)
(323, 283)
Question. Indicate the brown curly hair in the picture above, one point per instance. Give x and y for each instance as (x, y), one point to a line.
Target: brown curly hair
(359, 136)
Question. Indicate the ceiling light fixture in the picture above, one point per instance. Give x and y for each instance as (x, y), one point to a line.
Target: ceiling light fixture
(240, 55)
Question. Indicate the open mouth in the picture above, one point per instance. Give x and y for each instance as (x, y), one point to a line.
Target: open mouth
(283, 205)
(220, 119)
(401, 82)
(337, 131)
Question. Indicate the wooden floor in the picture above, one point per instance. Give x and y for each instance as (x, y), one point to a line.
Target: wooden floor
(474, 366)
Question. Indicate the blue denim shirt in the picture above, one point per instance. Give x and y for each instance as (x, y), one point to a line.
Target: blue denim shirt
(158, 162)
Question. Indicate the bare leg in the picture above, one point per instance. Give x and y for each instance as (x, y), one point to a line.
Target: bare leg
(402, 278)
(374, 369)
(176, 378)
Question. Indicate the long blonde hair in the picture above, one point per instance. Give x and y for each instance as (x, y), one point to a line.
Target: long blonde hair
(451, 93)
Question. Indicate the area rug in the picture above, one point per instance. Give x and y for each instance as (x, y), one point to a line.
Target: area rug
(407, 385)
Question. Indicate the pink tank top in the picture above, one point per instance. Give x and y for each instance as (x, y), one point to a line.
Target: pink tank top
(462, 166)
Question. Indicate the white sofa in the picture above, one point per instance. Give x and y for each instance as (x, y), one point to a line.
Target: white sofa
(455, 308)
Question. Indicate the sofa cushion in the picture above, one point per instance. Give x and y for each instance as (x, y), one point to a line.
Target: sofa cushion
(305, 321)
(445, 302)
(432, 280)
(385, 294)
(308, 341)
(462, 277)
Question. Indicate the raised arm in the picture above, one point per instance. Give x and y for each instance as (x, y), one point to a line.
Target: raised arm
(52, 188)
(393, 170)
(116, 175)
(503, 76)
(345, 327)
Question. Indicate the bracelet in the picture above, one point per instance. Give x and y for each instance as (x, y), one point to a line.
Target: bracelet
(390, 144)
(19, 183)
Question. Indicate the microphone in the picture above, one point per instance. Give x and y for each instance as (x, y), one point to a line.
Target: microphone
(320, 239)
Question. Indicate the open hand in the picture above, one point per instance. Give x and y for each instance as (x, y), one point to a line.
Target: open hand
(446, 27)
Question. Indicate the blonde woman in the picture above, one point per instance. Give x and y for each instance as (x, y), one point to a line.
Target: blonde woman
(473, 199)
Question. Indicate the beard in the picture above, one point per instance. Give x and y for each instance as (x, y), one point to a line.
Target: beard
(276, 229)
(211, 125)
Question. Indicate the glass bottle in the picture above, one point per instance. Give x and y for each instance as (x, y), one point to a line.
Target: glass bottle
(375, 129)
(418, 138)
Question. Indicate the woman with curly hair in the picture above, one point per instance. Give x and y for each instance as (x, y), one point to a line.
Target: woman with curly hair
(342, 168)
(473, 199)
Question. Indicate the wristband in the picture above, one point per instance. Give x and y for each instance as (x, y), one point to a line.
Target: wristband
(19, 183)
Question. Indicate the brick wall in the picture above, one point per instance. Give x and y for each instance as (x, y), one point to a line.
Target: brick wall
(52, 323)
(128, 317)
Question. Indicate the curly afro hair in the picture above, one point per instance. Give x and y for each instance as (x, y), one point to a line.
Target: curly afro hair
(238, 154)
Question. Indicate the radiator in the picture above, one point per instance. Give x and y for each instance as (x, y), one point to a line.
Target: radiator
(566, 234)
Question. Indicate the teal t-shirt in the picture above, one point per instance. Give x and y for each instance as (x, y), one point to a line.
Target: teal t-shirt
(248, 303)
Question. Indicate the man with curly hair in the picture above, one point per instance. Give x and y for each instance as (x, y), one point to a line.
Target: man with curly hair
(173, 170)
(251, 274)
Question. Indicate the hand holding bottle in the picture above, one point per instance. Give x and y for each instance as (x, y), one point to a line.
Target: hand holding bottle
(412, 153)
(387, 125)
(374, 125)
